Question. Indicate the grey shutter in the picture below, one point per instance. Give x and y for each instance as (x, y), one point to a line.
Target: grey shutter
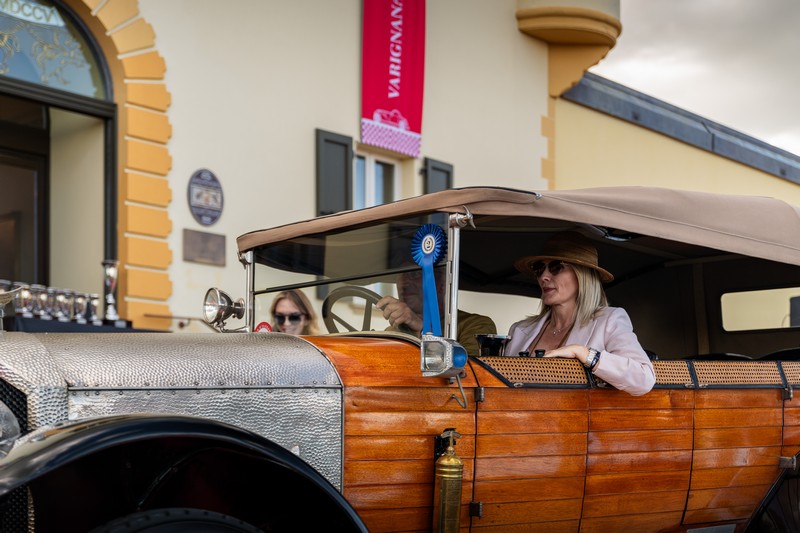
(438, 176)
(334, 172)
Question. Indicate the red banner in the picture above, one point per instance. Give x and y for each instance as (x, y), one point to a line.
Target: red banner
(392, 74)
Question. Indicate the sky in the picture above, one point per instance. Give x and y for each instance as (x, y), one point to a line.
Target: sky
(736, 62)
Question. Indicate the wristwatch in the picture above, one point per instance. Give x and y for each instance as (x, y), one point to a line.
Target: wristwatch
(591, 359)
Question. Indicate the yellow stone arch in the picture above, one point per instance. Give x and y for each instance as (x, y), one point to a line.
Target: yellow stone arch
(143, 159)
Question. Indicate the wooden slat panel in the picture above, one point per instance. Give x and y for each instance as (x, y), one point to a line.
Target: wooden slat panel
(388, 496)
(791, 415)
(621, 419)
(702, 516)
(730, 477)
(791, 436)
(724, 398)
(627, 504)
(789, 451)
(635, 482)
(504, 422)
(517, 490)
(531, 444)
(376, 362)
(655, 399)
(411, 519)
(730, 457)
(641, 523)
(636, 441)
(358, 399)
(737, 437)
(728, 497)
(564, 526)
(508, 399)
(379, 472)
(417, 423)
(529, 467)
(517, 513)
(726, 418)
(610, 463)
(400, 447)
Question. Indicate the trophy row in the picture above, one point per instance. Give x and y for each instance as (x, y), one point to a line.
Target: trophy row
(49, 303)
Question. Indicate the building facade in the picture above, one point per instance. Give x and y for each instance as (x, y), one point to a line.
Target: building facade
(262, 99)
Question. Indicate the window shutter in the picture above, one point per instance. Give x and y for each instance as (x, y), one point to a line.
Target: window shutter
(438, 175)
(334, 172)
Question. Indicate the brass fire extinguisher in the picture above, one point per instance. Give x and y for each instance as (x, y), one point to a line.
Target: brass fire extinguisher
(447, 488)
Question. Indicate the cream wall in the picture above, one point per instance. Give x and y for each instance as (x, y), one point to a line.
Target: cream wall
(594, 149)
(76, 202)
(251, 81)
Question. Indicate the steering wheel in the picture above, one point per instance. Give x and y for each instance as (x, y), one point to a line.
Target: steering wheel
(348, 291)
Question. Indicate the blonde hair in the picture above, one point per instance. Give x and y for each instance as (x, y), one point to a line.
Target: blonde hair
(301, 301)
(591, 296)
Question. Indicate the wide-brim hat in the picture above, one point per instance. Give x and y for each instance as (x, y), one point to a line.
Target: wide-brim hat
(567, 246)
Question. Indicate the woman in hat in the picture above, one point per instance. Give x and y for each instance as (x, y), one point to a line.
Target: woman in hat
(575, 320)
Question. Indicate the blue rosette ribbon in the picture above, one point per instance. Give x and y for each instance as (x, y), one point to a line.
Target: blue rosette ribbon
(427, 247)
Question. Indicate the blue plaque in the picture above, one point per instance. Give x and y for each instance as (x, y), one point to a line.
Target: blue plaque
(205, 197)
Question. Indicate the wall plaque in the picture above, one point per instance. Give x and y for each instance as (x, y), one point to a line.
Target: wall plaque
(202, 247)
(205, 197)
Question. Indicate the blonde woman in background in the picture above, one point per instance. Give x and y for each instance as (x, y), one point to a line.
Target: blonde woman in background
(292, 313)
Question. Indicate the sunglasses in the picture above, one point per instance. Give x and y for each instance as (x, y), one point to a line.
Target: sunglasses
(555, 267)
(294, 318)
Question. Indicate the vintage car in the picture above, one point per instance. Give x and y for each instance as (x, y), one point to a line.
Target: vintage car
(250, 430)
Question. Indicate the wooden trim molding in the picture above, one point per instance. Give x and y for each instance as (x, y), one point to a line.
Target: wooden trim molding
(144, 160)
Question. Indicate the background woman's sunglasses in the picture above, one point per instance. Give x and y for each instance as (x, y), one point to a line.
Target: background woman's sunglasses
(554, 267)
(294, 318)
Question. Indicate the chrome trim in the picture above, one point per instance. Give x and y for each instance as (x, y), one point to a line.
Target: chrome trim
(250, 302)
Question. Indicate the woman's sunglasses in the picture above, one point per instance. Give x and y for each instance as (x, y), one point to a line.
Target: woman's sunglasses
(555, 267)
(294, 318)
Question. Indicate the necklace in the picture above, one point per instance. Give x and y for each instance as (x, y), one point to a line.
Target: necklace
(557, 331)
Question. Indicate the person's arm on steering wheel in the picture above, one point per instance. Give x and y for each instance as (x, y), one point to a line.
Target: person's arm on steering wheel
(400, 315)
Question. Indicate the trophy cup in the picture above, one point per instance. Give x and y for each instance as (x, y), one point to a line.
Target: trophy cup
(39, 301)
(22, 300)
(111, 271)
(65, 299)
(92, 306)
(80, 305)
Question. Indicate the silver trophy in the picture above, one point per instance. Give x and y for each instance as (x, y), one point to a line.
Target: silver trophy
(23, 304)
(65, 300)
(39, 305)
(92, 308)
(111, 271)
(79, 307)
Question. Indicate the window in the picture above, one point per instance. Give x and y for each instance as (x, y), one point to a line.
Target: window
(763, 309)
(41, 45)
(375, 181)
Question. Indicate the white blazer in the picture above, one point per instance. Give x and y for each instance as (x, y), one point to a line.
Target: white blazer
(623, 363)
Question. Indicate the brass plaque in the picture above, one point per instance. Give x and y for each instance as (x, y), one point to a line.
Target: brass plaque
(202, 247)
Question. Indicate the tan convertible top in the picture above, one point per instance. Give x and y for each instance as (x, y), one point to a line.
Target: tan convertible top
(749, 225)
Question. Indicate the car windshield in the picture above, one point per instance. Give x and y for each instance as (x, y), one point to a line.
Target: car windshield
(686, 279)
(343, 268)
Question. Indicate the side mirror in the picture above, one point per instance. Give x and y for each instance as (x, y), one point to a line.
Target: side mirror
(441, 357)
(219, 307)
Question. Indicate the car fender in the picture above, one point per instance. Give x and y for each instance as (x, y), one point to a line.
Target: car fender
(96, 470)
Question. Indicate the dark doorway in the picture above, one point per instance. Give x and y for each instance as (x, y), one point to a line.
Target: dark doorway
(24, 150)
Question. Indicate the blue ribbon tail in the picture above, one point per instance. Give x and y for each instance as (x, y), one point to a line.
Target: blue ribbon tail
(431, 323)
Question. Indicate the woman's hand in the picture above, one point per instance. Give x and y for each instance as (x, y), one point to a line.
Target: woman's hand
(573, 351)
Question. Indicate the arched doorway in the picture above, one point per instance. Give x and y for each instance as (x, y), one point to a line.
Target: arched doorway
(82, 85)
